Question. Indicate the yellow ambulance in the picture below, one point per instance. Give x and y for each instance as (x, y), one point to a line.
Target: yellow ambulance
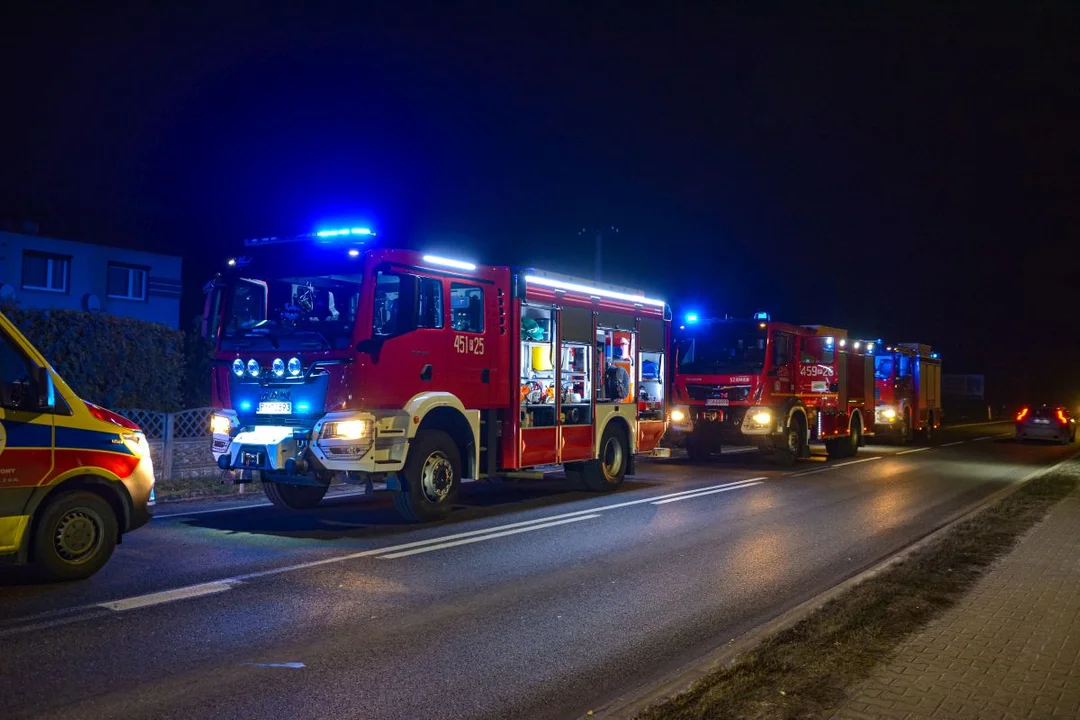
(74, 477)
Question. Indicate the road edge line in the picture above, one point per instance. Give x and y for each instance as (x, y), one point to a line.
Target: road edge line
(631, 704)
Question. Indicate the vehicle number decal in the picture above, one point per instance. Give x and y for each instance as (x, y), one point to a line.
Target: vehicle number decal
(466, 345)
(817, 371)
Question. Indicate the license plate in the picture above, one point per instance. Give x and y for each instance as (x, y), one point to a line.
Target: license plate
(1041, 421)
(274, 408)
(716, 402)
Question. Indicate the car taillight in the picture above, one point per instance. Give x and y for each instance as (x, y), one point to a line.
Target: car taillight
(1061, 416)
(1022, 415)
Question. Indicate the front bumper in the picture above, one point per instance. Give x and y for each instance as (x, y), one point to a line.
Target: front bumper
(140, 488)
(380, 448)
(724, 426)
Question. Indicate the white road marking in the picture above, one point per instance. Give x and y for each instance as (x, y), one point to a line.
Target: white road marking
(192, 591)
(915, 450)
(290, 665)
(856, 462)
(833, 467)
(707, 492)
(953, 444)
(987, 437)
(737, 451)
(158, 598)
(482, 538)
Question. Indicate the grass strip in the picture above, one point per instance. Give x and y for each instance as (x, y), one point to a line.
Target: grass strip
(804, 671)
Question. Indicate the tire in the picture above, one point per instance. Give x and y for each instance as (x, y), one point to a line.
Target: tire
(607, 472)
(294, 497)
(904, 436)
(697, 453)
(848, 446)
(792, 450)
(74, 536)
(431, 478)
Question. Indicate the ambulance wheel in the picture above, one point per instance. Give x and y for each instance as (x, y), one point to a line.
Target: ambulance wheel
(607, 472)
(430, 479)
(294, 497)
(75, 536)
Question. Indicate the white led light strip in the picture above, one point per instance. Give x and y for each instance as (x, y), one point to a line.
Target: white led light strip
(598, 292)
(447, 262)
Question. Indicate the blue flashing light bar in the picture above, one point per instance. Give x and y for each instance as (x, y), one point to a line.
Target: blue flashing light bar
(761, 316)
(343, 232)
(691, 318)
(245, 405)
(303, 407)
(357, 234)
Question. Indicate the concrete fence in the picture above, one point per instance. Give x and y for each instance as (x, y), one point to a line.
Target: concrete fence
(179, 442)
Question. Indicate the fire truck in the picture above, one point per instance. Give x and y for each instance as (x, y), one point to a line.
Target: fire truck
(907, 392)
(769, 384)
(338, 357)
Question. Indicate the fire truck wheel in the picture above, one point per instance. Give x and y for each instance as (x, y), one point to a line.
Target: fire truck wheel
(698, 452)
(903, 436)
(74, 537)
(294, 497)
(607, 472)
(845, 447)
(431, 477)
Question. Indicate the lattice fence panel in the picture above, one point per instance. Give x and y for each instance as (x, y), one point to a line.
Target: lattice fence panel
(192, 423)
(152, 423)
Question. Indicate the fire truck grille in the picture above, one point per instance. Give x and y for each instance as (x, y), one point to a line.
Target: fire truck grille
(733, 393)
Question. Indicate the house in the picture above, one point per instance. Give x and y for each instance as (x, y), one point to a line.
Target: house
(49, 273)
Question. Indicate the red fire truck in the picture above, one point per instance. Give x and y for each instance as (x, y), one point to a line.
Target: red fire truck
(907, 391)
(337, 357)
(770, 384)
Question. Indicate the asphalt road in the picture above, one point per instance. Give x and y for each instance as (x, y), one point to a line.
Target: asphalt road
(530, 602)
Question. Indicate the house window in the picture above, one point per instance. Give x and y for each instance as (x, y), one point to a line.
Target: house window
(127, 282)
(42, 271)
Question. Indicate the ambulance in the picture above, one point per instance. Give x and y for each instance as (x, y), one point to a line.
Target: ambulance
(74, 477)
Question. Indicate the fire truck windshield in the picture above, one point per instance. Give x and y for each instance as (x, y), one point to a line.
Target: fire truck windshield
(723, 348)
(291, 313)
(883, 367)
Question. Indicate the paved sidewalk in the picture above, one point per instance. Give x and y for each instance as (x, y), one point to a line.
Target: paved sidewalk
(1009, 649)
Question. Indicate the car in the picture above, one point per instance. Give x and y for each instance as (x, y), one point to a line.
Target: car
(1046, 422)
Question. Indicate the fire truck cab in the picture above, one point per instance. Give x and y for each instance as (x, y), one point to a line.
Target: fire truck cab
(339, 358)
(907, 392)
(769, 384)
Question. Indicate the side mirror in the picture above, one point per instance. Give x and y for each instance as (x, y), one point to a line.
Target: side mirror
(834, 387)
(43, 388)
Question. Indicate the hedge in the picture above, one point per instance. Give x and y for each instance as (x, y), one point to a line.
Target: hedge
(115, 362)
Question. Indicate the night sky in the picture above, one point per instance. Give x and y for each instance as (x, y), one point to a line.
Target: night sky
(910, 174)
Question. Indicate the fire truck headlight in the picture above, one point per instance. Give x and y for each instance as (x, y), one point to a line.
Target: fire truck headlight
(763, 417)
(220, 425)
(278, 367)
(345, 430)
(253, 367)
(888, 414)
(294, 367)
(238, 367)
(679, 415)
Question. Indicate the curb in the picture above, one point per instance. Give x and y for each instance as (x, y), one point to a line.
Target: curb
(632, 703)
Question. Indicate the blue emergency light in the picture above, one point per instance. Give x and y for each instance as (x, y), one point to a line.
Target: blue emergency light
(344, 232)
(691, 318)
(761, 316)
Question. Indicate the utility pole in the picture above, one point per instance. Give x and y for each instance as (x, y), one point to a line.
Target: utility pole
(598, 239)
